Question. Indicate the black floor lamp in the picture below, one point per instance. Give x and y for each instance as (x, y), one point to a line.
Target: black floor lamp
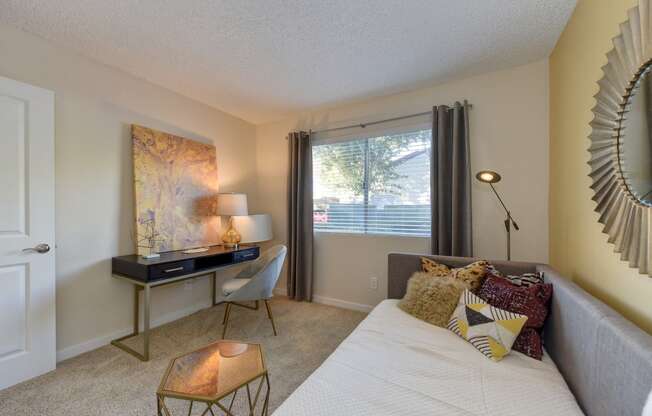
(491, 177)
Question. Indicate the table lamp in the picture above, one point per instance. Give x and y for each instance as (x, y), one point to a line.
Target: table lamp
(231, 204)
(254, 228)
(491, 177)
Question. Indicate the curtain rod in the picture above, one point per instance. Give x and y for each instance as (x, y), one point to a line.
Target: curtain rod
(372, 123)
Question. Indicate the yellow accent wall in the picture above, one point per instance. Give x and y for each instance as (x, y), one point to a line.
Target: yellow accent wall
(578, 248)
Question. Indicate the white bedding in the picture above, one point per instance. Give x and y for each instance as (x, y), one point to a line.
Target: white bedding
(395, 364)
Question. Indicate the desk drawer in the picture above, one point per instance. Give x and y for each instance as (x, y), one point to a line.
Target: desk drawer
(177, 268)
(246, 255)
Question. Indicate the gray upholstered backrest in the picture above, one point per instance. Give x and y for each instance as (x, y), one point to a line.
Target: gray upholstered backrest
(606, 360)
(402, 265)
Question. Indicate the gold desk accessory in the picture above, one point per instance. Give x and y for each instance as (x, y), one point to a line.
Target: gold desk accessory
(230, 205)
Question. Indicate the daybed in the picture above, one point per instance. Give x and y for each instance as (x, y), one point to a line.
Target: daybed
(596, 362)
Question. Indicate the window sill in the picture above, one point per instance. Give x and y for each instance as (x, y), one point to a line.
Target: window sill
(367, 235)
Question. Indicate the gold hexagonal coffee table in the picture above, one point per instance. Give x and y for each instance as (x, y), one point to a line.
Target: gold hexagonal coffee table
(211, 374)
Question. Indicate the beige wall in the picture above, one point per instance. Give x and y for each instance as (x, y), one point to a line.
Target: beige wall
(509, 133)
(578, 248)
(94, 201)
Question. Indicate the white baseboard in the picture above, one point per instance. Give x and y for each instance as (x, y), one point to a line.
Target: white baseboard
(95, 343)
(344, 304)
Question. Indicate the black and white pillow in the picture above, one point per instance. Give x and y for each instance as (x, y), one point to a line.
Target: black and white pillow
(524, 280)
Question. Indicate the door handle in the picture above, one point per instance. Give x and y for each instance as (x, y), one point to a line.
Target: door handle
(39, 248)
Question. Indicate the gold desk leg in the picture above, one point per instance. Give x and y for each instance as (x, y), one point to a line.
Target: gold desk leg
(136, 309)
(147, 305)
(214, 288)
(118, 342)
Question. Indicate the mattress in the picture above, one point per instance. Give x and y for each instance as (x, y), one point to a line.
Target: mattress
(395, 364)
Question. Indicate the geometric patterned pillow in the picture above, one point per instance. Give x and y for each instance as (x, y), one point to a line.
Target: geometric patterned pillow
(524, 280)
(490, 330)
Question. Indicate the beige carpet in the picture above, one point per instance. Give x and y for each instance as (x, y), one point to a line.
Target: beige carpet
(108, 381)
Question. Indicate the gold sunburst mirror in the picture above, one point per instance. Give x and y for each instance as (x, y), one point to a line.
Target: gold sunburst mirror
(621, 141)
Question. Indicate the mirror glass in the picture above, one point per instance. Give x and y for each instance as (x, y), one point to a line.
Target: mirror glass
(635, 141)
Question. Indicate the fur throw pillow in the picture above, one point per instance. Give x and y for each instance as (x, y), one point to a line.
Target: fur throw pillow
(432, 298)
(472, 274)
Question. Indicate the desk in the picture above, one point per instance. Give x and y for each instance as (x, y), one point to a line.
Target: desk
(171, 267)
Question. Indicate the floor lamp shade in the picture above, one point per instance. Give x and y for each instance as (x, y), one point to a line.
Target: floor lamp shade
(232, 204)
(254, 228)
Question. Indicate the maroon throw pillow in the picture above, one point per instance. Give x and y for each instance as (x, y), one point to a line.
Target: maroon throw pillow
(530, 301)
(529, 342)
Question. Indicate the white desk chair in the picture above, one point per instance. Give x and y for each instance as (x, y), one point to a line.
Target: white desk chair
(256, 282)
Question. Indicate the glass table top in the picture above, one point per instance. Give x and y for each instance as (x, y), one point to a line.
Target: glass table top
(214, 371)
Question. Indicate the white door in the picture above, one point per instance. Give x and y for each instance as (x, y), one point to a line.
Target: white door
(27, 282)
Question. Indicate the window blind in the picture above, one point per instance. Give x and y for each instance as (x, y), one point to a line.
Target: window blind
(375, 185)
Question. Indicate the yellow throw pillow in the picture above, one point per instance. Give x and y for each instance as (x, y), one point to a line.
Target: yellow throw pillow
(472, 274)
(490, 330)
(432, 298)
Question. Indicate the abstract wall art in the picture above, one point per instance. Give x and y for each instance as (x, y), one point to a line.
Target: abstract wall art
(175, 184)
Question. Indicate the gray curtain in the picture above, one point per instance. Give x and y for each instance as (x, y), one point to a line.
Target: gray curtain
(300, 237)
(450, 182)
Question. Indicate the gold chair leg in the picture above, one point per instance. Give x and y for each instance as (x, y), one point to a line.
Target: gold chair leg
(227, 312)
(271, 317)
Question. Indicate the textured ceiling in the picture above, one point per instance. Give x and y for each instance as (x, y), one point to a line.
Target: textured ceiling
(263, 59)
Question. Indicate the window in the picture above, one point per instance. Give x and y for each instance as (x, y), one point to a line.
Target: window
(377, 185)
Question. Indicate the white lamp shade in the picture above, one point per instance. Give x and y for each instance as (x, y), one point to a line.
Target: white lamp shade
(232, 204)
(254, 228)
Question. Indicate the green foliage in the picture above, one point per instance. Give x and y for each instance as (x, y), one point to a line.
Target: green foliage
(346, 161)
